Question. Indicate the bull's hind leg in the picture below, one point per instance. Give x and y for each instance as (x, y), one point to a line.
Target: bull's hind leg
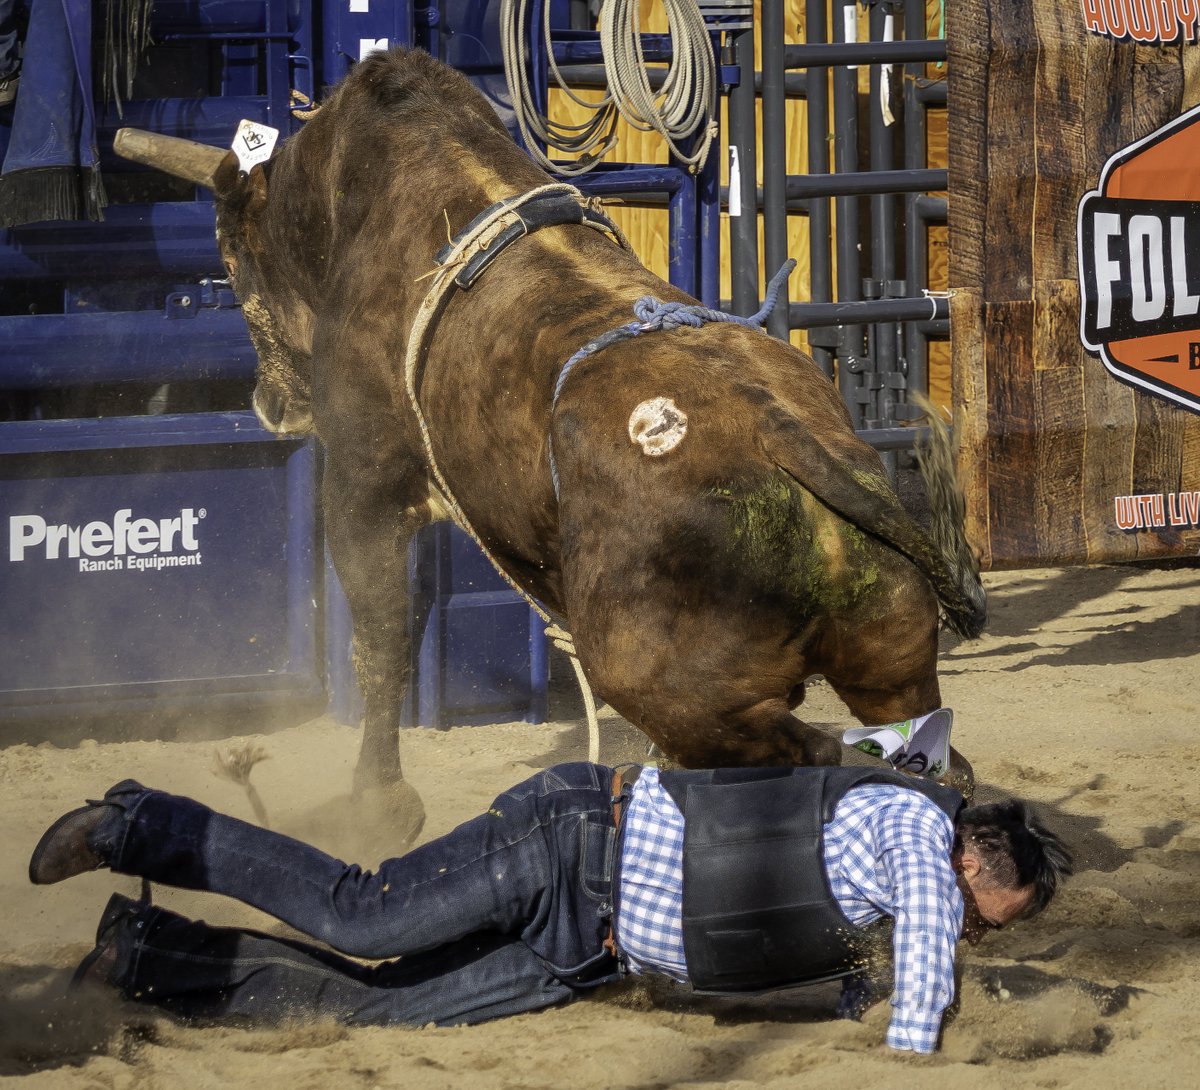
(765, 734)
(706, 693)
(889, 674)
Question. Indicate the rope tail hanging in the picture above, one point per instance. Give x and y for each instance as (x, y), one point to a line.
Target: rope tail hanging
(562, 639)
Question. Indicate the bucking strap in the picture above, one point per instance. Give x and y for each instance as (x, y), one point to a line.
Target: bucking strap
(552, 210)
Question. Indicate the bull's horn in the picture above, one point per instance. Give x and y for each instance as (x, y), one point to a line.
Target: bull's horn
(183, 158)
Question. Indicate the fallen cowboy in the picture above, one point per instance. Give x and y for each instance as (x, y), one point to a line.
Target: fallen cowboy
(733, 881)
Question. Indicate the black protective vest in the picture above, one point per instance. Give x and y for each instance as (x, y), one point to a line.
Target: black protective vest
(757, 909)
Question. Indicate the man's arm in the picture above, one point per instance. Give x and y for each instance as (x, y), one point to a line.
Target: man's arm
(928, 921)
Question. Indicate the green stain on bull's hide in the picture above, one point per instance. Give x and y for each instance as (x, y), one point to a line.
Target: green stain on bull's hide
(791, 544)
(861, 571)
(875, 483)
(765, 521)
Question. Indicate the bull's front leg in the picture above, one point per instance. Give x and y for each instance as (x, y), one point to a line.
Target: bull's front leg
(370, 518)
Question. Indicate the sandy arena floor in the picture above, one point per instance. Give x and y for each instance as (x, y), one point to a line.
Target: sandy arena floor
(1081, 697)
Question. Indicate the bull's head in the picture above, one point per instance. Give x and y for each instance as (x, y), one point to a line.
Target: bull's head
(280, 324)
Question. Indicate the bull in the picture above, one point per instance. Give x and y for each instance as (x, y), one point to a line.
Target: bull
(705, 578)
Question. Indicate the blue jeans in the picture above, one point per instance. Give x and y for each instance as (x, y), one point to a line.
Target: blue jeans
(506, 913)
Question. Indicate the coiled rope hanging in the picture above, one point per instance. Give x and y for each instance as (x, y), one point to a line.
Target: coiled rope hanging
(536, 129)
(685, 104)
(687, 99)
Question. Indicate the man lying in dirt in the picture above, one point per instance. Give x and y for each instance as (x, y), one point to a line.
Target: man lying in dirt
(733, 881)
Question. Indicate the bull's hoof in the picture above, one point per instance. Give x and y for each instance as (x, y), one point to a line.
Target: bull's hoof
(364, 826)
(376, 774)
(396, 808)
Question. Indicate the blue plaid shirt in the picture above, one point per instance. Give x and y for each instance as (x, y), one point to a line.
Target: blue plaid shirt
(887, 852)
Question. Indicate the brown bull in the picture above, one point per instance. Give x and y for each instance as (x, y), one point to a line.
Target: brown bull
(703, 585)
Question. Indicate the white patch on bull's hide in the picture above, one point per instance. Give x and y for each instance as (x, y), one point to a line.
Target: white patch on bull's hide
(657, 426)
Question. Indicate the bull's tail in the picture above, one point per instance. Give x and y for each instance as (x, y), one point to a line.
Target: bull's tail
(855, 486)
(947, 505)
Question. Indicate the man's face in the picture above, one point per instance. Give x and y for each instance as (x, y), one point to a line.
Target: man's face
(987, 906)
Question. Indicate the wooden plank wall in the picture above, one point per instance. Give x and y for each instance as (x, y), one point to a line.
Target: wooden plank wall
(1047, 437)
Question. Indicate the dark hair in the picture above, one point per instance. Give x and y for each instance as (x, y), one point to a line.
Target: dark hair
(1016, 849)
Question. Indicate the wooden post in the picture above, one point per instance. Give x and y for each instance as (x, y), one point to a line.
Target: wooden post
(1048, 437)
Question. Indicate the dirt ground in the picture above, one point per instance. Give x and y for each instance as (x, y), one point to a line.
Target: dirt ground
(1081, 697)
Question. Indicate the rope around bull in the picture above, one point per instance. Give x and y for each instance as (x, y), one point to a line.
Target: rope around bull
(654, 314)
(461, 251)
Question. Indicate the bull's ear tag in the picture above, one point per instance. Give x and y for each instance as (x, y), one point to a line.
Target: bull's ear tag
(253, 144)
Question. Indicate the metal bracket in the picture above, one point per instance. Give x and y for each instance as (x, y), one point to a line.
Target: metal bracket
(187, 300)
(216, 292)
(829, 336)
(183, 304)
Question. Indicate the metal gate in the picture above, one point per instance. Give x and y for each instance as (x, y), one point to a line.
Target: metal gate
(97, 318)
(868, 314)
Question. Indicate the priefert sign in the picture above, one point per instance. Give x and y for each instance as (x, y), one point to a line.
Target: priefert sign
(122, 543)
